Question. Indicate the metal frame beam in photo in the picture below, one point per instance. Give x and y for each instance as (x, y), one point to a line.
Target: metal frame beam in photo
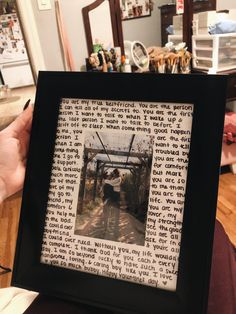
(59, 94)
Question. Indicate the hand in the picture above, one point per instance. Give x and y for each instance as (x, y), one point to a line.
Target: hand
(14, 141)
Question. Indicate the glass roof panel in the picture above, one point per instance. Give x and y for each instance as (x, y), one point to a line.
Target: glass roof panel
(117, 147)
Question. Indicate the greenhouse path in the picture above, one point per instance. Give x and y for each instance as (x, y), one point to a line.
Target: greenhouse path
(111, 223)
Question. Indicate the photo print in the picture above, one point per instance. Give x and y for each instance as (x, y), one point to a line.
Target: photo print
(114, 186)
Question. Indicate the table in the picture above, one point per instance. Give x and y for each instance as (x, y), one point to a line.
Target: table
(11, 107)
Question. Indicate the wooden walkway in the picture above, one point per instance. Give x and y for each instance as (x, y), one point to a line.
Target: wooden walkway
(112, 224)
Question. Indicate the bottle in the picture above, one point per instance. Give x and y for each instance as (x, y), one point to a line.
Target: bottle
(122, 64)
(127, 66)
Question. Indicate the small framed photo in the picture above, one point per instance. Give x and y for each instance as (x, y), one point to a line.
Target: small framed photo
(120, 192)
(131, 9)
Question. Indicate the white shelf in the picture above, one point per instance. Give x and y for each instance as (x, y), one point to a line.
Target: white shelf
(203, 49)
(215, 52)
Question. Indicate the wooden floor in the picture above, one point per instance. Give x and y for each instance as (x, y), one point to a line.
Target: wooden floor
(10, 209)
(226, 212)
(9, 217)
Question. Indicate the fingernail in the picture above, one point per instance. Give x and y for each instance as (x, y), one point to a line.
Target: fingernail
(26, 104)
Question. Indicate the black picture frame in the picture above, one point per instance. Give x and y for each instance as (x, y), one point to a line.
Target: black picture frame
(207, 93)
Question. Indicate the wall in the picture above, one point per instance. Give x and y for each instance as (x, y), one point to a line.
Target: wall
(48, 36)
(145, 29)
(225, 4)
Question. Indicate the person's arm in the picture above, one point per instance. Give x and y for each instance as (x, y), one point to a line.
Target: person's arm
(2, 191)
(14, 141)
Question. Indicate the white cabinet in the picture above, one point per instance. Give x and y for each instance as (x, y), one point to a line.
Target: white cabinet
(17, 74)
(214, 52)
